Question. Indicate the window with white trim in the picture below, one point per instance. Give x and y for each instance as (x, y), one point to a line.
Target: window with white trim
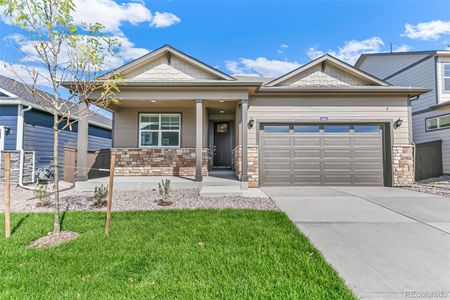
(441, 122)
(447, 77)
(159, 130)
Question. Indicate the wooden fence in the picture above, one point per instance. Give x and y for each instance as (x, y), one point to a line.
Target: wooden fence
(429, 160)
(98, 159)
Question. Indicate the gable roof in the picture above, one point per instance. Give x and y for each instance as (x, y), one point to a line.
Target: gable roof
(17, 93)
(328, 59)
(168, 50)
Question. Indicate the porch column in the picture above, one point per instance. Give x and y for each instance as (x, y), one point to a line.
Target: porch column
(244, 138)
(82, 144)
(198, 139)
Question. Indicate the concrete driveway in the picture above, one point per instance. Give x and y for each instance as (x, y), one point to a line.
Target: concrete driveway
(386, 243)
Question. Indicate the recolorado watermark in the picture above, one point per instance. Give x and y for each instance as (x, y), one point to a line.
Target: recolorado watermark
(426, 295)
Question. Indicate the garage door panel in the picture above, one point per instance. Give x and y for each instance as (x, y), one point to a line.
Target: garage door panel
(306, 179)
(375, 141)
(306, 165)
(336, 141)
(279, 153)
(321, 158)
(277, 165)
(306, 141)
(336, 153)
(337, 179)
(276, 141)
(335, 165)
(310, 153)
(367, 180)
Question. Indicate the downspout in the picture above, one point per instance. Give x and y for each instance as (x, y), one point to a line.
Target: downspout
(410, 131)
(19, 144)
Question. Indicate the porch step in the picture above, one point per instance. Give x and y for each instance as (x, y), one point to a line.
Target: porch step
(219, 191)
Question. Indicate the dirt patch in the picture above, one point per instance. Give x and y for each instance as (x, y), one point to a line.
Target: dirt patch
(54, 239)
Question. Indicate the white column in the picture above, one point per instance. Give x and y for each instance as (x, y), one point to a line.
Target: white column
(198, 139)
(19, 137)
(82, 145)
(244, 139)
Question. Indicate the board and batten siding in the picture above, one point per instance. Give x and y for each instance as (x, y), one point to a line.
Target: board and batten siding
(38, 137)
(126, 123)
(422, 136)
(382, 66)
(8, 118)
(335, 108)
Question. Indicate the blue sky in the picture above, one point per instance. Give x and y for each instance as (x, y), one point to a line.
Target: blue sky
(265, 38)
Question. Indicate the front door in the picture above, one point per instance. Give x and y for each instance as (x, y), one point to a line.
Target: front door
(222, 144)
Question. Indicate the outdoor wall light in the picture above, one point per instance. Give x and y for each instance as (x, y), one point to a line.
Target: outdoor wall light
(250, 124)
(7, 130)
(398, 123)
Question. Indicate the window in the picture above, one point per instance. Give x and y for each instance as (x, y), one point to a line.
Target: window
(159, 130)
(366, 128)
(276, 128)
(447, 77)
(441, 122)
(222, 128)
(306, 128)
(336, 128)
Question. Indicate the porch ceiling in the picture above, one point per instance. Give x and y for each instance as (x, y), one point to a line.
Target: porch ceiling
(214, 106)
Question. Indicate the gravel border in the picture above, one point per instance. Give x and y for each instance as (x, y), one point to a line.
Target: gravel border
(439, 186)
(23, 200)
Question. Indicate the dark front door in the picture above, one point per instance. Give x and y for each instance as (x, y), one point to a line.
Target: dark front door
(222, 144)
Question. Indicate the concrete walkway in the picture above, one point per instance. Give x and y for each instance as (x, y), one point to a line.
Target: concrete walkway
(386, 243)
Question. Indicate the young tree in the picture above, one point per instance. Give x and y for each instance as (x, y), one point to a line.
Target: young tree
(62, 51)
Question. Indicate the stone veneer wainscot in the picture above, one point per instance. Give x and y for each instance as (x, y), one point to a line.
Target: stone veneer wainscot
(403, 165)
(252, 169)
(158, 162)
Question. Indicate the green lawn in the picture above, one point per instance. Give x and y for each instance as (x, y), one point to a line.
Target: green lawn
(176, 254)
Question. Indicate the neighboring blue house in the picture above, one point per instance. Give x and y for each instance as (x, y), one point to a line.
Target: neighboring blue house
(25, 125)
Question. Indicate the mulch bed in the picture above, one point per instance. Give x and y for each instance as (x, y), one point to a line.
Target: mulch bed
(53, 240)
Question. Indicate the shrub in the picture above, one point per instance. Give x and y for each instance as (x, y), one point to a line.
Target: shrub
(100, 193)
(164, 192)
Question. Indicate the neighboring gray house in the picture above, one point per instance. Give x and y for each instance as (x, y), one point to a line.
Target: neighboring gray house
(25, 126)
(431, 112)
(325, 123)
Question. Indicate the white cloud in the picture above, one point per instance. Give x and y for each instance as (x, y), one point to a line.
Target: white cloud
(164, 19)
(110, 13)
(427, 31)
(351, 49)
(282, 47)
(128, 52)
(260, 66)
(23, 73)
(402, 48)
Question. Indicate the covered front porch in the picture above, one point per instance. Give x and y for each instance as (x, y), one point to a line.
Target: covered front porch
(181, 138)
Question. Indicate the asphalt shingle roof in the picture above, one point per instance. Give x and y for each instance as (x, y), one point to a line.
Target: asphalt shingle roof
(20, 90)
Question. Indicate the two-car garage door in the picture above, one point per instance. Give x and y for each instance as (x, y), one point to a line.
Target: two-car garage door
(321, 154)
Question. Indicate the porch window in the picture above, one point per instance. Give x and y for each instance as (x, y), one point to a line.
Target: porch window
(159, 130)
